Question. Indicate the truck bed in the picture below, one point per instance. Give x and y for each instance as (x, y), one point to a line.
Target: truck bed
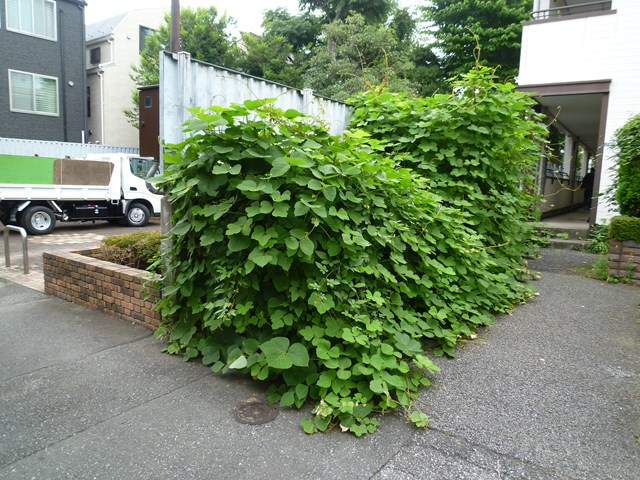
(13, 191)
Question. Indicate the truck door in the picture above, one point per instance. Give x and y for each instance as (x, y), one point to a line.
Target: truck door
(134, 173)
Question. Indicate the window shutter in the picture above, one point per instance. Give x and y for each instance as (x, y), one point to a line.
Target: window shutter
(46, 93)
(13, 15)
(49, 20)
(21, 91)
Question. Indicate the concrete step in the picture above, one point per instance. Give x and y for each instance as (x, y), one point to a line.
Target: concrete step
(567, 244)
(574, 232)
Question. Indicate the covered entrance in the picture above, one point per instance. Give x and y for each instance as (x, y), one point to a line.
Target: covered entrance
(576, 114)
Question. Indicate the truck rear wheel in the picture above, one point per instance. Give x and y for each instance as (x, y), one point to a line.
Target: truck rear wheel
(38, 220)
(138, 215)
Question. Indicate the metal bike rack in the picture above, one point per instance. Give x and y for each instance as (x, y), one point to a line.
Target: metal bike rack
(25, 249)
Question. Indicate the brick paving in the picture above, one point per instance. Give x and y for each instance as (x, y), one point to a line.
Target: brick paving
(66, 236)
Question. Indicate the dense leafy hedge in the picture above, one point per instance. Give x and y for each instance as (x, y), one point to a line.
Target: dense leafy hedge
(627, 172)
(477, 148)
(625, 228)
(324, 265)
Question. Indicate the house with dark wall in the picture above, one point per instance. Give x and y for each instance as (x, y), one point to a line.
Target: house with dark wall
(42, 70)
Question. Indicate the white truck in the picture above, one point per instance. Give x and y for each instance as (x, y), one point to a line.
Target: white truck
(110, 187)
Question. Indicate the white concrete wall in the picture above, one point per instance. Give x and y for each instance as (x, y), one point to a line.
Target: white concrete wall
(43, 148)
(186, 83)
(587, 49)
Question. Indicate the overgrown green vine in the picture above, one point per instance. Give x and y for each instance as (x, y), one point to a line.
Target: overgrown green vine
(326, 266)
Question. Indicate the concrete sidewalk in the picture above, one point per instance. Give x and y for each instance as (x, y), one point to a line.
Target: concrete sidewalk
(552, 391)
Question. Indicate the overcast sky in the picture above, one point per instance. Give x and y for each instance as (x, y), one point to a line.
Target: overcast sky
(248, 13)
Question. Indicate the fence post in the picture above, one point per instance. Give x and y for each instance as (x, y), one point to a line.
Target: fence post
(25, 247)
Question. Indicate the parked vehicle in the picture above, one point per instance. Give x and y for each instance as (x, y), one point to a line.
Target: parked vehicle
(36, 192)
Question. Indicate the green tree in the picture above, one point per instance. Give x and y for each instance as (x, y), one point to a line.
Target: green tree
(282, 52)
(356, 56)
(203, 33)
(459, 26)
(374, 11)
(300, 31)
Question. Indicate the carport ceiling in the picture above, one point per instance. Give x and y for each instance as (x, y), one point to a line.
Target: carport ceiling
(578, 113)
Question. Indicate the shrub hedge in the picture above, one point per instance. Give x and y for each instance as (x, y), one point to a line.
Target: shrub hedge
(627, 172)
(328, 265)
(137, 250)
(625, 228)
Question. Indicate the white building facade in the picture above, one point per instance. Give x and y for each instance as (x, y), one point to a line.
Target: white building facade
(581, 59)
(112, 47)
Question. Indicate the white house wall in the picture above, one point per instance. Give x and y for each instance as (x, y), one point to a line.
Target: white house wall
(589, 49)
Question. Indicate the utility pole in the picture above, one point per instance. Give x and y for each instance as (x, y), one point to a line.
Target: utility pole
(166, 212)
(175, 26)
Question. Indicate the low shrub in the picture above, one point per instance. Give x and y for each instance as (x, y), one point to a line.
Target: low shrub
(598, 241)
(136, 250)
(625, 228)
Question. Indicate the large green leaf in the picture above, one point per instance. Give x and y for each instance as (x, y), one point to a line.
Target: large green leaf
(280, 354)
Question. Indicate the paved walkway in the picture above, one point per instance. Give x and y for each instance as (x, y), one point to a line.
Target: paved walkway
(66, 236)
(550, 392)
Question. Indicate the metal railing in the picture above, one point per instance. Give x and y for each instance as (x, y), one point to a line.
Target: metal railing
(25, 248)
(569, 10)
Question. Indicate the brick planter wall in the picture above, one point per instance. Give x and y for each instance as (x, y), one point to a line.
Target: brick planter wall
(624, 260)
(115, 289)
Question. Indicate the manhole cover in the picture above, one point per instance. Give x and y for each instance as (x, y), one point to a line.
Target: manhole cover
(256, 412)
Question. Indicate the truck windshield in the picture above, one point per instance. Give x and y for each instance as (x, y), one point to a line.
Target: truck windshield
(140, 166)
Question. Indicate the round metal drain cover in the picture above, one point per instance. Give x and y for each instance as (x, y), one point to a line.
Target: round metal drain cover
(256, 412)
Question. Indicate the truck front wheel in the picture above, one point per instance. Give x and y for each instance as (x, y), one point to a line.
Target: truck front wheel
(38, 220)
(138, 215)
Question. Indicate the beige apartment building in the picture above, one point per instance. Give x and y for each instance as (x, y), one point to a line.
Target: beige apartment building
(112, 47)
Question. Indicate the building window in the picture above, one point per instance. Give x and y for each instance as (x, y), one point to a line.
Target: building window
(32, 17)
(89, 102)
(148, 101)
(144, 33)
(32, 93)
(94, 56)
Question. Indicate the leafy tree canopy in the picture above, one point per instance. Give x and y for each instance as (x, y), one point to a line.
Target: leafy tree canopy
(202, 33)
(374, 11)
(281, 53)
(300, 31)
(459, 26)
(356, 56)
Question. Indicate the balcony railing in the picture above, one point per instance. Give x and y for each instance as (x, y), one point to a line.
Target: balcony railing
(581, 8)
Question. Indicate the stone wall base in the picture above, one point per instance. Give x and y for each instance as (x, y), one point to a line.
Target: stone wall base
(624, 260)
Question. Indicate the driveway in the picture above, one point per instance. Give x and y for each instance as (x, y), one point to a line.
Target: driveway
(66, 236)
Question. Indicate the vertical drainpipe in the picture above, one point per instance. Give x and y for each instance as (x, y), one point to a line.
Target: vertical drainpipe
(100, 74)
(63, 78)
(83, 39)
